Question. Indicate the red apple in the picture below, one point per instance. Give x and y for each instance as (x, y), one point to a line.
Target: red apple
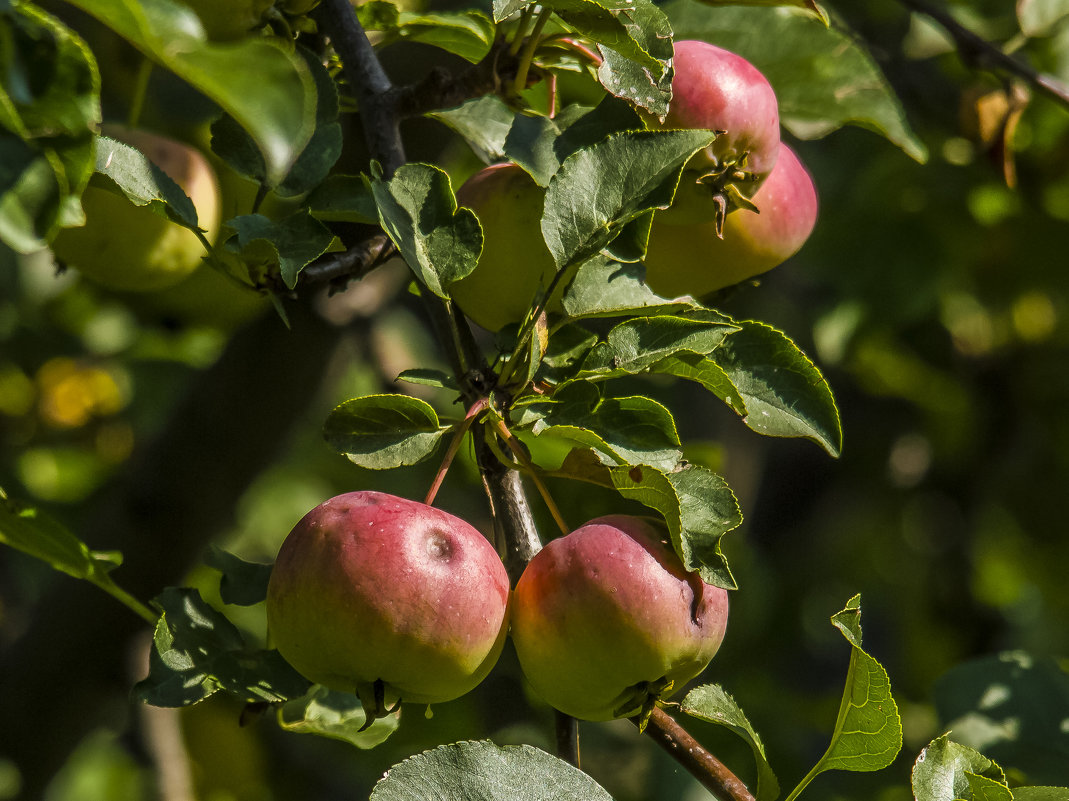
(693, 260)
(388, 598)
(515, 261)
(606, 620)
(716, 89)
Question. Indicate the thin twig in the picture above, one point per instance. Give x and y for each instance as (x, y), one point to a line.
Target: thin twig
(688, 752)
(978, 50)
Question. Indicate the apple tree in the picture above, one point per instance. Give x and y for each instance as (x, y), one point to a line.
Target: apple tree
(431, 301)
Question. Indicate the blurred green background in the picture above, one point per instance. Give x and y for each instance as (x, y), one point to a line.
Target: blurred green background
(934, 297)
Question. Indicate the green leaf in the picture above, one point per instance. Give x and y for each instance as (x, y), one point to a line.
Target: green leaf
(198, 652)
(630, 80)
(290, 244)
(506, 8)
(143, 183)
(942, 771)
(50, 103)
(344, 198)
(1013, 706)
(242, 583)
(811, 5)
(611, 115)
(784, 393)
(637, 344)
(482, 771)
(238, 149)
(636, 29)
(429, 378)
(1041, 793)
(823, 77)
(605, 288)
(530, 143)
(868, 730)
(380, 432)
(709, 702)
(33, 532)
(1040, 17)
(598, 190)
(418, 209)
(467, 34)
(632, 430)
(337, 715)
(985, 789)
(702, 370)
(484, 123)
(260, 81)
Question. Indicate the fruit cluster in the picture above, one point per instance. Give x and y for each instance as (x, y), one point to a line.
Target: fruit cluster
(743, 205)
(396, 601)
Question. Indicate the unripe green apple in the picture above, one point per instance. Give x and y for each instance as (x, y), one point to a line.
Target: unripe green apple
(693, 260)
(131, 248)
(606, 620)
(716, 89)
(388, 597)
(515, 261)
(226, 20)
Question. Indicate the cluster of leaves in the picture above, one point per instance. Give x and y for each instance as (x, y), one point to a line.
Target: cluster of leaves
(554, 377)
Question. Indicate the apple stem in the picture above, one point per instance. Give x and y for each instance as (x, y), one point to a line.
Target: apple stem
(137, 102)
(688, 752)
(527, 56)
(525, 460)
(454, 445)
(521, 30)
(567, 729)
(590, 55)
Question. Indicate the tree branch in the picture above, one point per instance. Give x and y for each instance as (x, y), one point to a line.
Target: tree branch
(380, 111)
(977, 50)
(688, 752)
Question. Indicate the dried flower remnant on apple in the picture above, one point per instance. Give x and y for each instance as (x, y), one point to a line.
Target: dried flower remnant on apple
(606, 620)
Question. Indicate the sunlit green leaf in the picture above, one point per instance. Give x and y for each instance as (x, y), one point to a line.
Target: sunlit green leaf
(381, 432)
(943, 769)
(711, 703)
(337, 715)
(290, 244)
(487, 772)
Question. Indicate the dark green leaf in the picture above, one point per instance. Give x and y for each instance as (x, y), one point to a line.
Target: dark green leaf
(242, 583)
(868, 730)
(340, 716)
(484, 123)
(381, 432)
(636, 29)
(41, 536)
(1013, 706)
(941, 772)
(604, 288)
(611, 115)
(468, 33)
(630, 80)
(291, 243)
(711, 703)
(630, 244)
(429, 378)
(567, 347)
(823, 77)
(702, 370)
(418, 209)
(530, 144)
(344, 198)
(198, 652)
(482, 771)
(784, 393)
(598, 190)
(261, 82)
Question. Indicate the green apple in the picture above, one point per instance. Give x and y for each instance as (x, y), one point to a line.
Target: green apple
(694, 260)
(388, 598)
(226, 20)
(515, 262)
(131, 248)
(606, 620)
